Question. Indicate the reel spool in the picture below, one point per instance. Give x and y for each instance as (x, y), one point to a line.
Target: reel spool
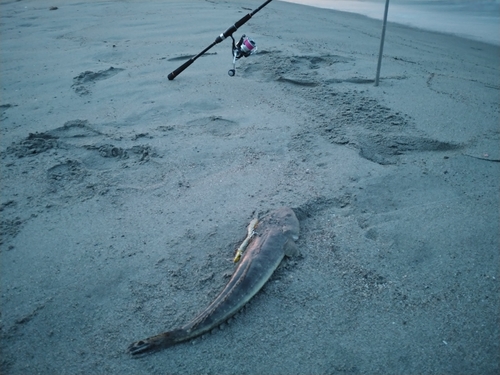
(244, 48)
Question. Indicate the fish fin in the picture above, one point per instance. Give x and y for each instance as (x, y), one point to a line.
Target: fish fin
(291, 249)
(162, 340)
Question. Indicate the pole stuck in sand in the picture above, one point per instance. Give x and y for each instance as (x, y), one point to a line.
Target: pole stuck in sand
(382, 43)
(220, 38)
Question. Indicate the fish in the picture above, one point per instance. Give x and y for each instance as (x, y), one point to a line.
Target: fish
(274, 238)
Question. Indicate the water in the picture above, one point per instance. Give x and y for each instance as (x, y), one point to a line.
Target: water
(473, 19)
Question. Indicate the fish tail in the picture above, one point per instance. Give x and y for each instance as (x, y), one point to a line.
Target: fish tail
(163, 340)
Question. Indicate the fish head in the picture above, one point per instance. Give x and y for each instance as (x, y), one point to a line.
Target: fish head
(286, 219)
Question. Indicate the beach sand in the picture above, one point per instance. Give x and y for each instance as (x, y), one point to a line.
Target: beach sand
(124, 195)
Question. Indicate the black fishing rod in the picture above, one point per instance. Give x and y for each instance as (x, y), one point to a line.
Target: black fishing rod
(220, 38)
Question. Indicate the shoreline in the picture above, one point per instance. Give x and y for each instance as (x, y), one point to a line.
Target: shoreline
(433, 18)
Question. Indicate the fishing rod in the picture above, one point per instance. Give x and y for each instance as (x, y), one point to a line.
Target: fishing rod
(245, 47)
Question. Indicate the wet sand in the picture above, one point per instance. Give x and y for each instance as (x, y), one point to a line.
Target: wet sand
(124, 195)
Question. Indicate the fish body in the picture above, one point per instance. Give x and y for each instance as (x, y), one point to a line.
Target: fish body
(274, 237)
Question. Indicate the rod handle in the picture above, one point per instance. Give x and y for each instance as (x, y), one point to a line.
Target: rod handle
(180, 69)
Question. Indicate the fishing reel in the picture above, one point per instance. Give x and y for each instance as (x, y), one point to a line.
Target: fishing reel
(244, 48)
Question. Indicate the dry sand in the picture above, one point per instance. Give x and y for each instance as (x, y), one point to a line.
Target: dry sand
(124, 195)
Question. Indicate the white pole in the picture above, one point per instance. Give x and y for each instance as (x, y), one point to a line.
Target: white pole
(382, 42)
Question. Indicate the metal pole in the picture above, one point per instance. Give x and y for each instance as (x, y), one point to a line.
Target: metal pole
(382, 42)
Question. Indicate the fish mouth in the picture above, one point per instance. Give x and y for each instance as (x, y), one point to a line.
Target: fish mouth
(139, 347)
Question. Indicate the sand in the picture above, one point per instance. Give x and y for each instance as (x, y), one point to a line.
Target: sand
(472, 19)
(124, 195)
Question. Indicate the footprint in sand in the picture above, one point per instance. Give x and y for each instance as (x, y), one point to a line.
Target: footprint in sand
(33, 144)
(300, 70)
(214, 125)
(64, 177)
(83, 81)
(10, 228)
(80, 161)
(305, 70)
(384, 151)
(75, 129)
(37, 143)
